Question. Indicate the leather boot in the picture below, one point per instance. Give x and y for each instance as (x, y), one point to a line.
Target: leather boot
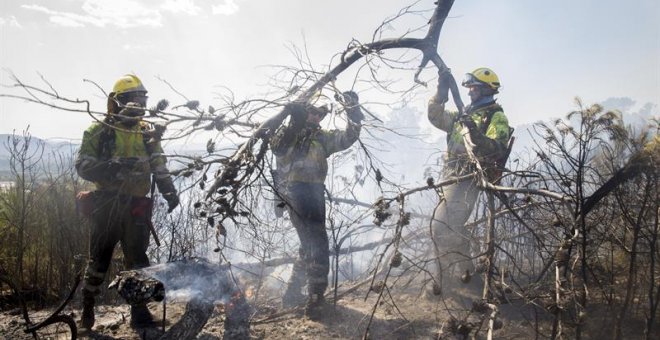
(141, 316)
(87, 318)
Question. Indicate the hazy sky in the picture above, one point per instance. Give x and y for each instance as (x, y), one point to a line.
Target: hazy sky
(546, 52)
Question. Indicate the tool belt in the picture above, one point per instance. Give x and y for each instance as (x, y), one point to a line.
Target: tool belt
(142, 207)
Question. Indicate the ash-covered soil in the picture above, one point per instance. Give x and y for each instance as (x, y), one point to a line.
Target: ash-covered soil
(399, 315)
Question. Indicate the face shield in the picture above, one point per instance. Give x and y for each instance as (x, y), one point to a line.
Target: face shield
(319, 111)
(131, 107)
(138, 97)
(470, 80)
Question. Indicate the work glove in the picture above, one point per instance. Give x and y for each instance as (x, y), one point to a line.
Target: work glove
(172, 200)
(485, 145)
(298, 114)
(167, 190)
(469, 123)
(127, 162)
(351, 98)
(442, 93)
(352, 102)
(112, 168)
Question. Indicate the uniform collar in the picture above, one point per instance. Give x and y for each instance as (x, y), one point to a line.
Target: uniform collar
(479, 103)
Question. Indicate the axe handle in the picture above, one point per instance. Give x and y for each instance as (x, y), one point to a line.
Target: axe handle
(153, 232)
(151, 209)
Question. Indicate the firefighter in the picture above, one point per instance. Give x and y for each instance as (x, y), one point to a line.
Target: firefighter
(121, 160)
(489, 132)
(301, 149)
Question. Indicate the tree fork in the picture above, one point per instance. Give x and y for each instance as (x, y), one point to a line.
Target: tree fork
(427, 45)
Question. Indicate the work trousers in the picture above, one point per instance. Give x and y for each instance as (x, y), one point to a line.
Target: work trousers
(114, 220)
(306, 207)
(450, 237)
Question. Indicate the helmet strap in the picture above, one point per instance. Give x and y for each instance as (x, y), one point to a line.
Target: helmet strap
(129, 122)
(112, 105)
(488, 91)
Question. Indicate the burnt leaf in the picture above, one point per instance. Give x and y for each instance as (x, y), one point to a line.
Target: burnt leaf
(379, 176)
(192, 104)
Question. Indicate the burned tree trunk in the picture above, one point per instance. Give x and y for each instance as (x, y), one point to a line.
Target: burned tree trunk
(198, 311)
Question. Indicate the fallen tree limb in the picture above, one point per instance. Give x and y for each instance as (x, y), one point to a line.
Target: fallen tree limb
(244, 159)
(53, 318)
(252, 266)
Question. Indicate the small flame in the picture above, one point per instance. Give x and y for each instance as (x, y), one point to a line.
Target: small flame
(249, 292)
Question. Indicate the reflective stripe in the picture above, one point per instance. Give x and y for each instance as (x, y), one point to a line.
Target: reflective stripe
(88, 163)
(160, 168)
(91, 273)
(318, 279)
(93, 280)
(88, 158)
(164, 175)
(92, 289)
(144, 159)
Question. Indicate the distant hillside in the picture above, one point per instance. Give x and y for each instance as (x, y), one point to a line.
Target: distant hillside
(51, 147)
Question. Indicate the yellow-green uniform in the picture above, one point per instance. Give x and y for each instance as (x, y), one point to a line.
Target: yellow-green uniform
(120, 162)
(490, 137)
(301, 155)
(493, 133)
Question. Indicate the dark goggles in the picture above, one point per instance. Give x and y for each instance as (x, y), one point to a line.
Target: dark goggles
(133, 97)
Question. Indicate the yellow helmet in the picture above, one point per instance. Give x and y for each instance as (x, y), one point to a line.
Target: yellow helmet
(126, 84)
(482, 76)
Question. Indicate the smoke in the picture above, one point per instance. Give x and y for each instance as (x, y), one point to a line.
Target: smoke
(202, 284)
(195, 279)
(633, 113)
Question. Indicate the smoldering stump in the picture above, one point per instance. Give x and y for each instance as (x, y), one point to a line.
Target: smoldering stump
(201, 283)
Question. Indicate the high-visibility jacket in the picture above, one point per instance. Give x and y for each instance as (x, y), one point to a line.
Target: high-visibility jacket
(102, 144)
(491, 123)
(302, 155)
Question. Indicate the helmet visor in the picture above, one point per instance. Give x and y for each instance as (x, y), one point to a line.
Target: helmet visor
(320, 111)
(137, 97)
(471, 80)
